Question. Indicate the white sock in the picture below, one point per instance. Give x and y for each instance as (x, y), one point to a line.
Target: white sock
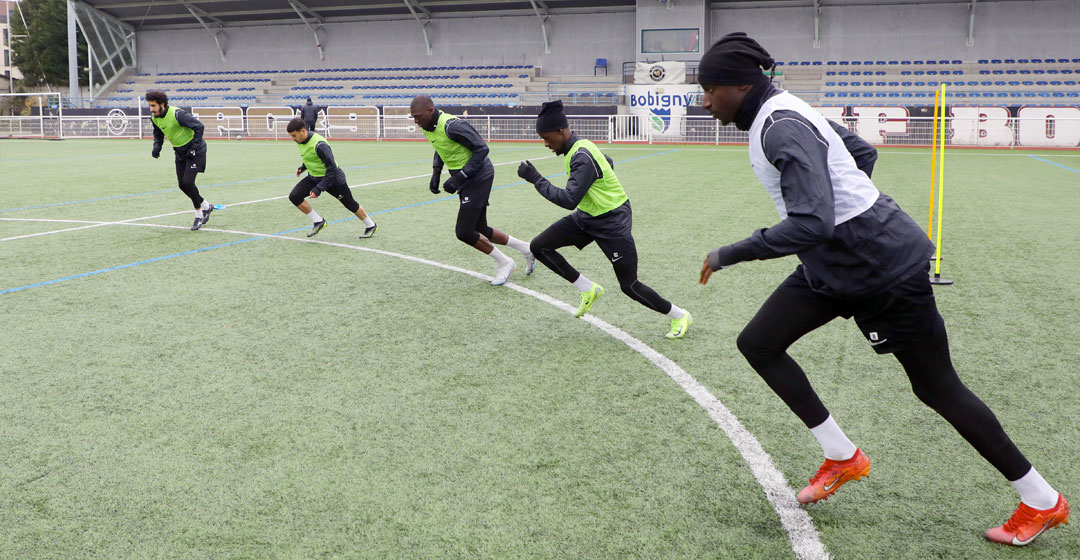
(515, 243)
(1034, 491)
(368, 222)
(676, 312)
(315, 217)
(500, 258)
(834, 443)
(582, 283)
(204, 206)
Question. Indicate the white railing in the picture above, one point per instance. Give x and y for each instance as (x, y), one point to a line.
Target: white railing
(976, 130)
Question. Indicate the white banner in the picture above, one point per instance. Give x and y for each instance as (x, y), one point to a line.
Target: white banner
(660, 73)
(664, 105)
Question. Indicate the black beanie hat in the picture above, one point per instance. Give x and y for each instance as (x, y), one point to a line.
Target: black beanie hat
(734, 60)
(551, 117)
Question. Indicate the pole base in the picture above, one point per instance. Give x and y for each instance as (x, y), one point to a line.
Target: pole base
(937, 280)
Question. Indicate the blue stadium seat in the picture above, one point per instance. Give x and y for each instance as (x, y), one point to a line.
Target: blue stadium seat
(830, 73)
(831, 63)
(879, 73)
(995, 61)
(1010, 61)
(830, 94)
(958, 62)
(905, 62)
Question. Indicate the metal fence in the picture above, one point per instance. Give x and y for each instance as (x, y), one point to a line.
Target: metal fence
(879, 128)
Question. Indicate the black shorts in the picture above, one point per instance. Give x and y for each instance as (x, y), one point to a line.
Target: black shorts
(611, 231)
(190, 159)
(339, 190)
(898, 319)
(476, 191)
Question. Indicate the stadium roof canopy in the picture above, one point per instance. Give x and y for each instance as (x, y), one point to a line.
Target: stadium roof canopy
(183, 13)
(142, 14)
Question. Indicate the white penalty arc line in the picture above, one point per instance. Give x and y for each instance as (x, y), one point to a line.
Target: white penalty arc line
(805, 540)
(94, 224)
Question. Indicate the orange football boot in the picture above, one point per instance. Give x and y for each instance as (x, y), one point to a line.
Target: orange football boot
(834, 474)
(1027, 523)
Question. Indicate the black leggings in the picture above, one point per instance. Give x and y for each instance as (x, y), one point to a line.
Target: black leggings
(621, 252)
(185, 179)
(471, 224)
(785, 317)
(339, 191)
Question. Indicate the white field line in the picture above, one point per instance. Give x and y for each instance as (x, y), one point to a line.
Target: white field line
(99, 224)
(804, 537)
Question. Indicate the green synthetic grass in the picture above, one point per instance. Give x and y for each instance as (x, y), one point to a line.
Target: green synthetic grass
(273, 399)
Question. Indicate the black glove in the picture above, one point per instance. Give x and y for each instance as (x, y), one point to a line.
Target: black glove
(454, 183)
(528, 172)
(433, 186)
(299, 170)
(156, 153)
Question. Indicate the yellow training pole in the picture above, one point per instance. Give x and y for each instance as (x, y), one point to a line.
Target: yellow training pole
(937, 279)
(933, 165)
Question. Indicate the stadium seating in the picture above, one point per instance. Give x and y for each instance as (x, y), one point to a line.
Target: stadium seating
(474, 85)
(1028, 81)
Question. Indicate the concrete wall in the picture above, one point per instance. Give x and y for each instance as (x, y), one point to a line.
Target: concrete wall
(576, 41)
(1040, 29)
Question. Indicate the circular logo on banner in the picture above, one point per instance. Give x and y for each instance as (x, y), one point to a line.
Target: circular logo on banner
(117, 122)
(657, 73)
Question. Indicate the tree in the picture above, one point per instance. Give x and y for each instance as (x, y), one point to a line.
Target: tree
(39, 49)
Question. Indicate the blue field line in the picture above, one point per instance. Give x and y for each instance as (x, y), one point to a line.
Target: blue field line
(1054, 163)
(295, 230)
(162, 191)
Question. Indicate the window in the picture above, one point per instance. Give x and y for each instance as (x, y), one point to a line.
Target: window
(682, 40)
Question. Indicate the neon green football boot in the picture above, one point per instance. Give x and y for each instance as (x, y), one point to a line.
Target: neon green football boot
(589, 298)
(679, 326)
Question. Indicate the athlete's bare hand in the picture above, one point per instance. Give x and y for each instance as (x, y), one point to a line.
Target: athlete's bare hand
(706, 272)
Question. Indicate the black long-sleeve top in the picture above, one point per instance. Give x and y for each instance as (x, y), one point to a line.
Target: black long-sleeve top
(334, 174)
(583, 173)
(186, 120)
(867, 254)
(463, 133)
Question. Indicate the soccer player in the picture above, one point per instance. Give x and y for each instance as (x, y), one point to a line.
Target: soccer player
(862, 257)
(459, 147)
(323, 175)
(601, 213)
(185, 133)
